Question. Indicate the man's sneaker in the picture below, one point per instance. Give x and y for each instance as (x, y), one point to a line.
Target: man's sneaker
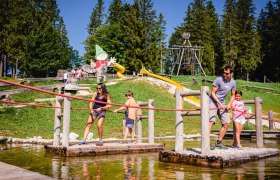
(99, 143)
(220, 146)
(82, 143)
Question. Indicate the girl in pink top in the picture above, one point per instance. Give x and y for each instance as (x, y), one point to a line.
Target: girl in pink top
(238, 111)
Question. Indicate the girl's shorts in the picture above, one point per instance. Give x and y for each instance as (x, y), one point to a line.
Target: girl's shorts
(239, 120)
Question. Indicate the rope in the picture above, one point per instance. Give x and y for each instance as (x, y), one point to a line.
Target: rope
(90, 100)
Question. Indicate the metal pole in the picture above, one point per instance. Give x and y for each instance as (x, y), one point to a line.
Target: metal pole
(66, 121)
(259, 128)
(179, 128)
(151, 121)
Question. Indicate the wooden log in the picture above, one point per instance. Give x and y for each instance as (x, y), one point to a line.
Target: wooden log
(259, 128)
(151, 121)
(190, 113)
(179, 128)
(249, 101)
(139, 125)
(57, 123)
(270, 120)
(140, 103)
(204, 120)
(45, 100)
(190, 93)
(66, 121)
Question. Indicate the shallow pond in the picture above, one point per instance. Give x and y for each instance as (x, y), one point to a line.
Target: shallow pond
(135, 166)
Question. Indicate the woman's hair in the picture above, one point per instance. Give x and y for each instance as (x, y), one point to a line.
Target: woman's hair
(238, 92)
(104, 90)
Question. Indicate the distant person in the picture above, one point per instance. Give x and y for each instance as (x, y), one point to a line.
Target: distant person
(98, 111)
(130, 115)
(238, 117)
(221, 87)
(65, 76)
(73, 72)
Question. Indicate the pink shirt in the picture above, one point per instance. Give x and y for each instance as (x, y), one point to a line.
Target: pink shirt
(238, 109)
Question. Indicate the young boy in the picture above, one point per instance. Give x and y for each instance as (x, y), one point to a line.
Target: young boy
(130, 115)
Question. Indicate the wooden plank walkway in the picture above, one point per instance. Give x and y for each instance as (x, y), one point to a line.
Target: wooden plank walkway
(10, 172)
(91, 149)
(217, 158)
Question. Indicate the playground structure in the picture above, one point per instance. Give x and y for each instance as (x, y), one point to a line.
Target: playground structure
(186, 55)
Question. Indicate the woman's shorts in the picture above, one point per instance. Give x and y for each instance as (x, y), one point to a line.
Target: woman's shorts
(129, 123)
(98, 114)
(239, 120)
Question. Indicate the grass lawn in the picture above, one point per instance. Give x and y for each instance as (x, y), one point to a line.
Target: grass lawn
(34, 121)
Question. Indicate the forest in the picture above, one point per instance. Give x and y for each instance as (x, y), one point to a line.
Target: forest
(34, 40)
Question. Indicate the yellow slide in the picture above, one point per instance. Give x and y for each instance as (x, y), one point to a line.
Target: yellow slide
(121, 70)
(178, 85)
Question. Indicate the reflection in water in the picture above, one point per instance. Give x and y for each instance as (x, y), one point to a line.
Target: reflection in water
(132, 166)
(128, 165)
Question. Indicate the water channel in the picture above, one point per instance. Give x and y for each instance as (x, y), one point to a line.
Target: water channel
(135, 166)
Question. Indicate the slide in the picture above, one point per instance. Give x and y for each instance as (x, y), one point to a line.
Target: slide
(121, 70)
(178, 85)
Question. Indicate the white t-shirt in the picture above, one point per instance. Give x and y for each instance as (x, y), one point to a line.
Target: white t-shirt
(65, 75)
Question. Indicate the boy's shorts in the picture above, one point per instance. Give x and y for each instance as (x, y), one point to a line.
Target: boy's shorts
(129, 123)
(223, 114)
(239, 120)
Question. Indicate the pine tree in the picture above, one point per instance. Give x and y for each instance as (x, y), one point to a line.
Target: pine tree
(230, 33)
(248, 49)
(215, 34)
(133, 31)
(269, 33)
(96, 17)
(115, 12)
(147, 16)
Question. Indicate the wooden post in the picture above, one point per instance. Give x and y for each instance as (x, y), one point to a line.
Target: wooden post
(57, 123)
(259, 128)
(66, 121)
(204, 120)
(139, 124)
(151, 121)
(179, 128)
(270, 120)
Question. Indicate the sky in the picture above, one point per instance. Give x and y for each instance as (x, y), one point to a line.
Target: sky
(76, 14)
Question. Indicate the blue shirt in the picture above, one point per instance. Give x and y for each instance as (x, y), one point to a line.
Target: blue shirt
(223, 88)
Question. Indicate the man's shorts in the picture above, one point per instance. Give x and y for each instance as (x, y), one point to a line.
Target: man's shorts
(129, 123)
(98, 114)
(239, 120)
(214, 111)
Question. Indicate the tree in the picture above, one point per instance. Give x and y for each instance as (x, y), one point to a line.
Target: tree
(268, 27)
(96, 17)
(248, 46)
(230, 33)
(115, 12)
